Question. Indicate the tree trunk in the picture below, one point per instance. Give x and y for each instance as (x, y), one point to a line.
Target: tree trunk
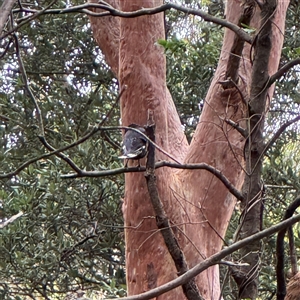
(293, 288)
(267, 49)
(196, 201)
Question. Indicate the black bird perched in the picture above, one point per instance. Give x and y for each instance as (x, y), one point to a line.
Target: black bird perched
(135, 146)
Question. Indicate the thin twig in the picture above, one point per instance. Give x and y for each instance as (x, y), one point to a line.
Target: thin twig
(68, 160)
(237, 127)
(278, 133)
(37, 13)
(283, 70)
(35, 159)
(274, 138)
(27, 87)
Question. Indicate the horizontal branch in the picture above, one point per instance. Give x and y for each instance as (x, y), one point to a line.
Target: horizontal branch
(213, 260)
(158, 165)
(110, 11)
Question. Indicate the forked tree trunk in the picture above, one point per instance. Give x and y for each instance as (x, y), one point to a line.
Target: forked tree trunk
(197, 203)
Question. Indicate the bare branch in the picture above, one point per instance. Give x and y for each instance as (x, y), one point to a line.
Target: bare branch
(11, 219)
(110, 11)
(278, 133)
(68, 160)
(5, 10)
(58, 151)
(35, 159)
(161, 164)
(237, 127)
(37, 13)
(283, 70)
(27, 87)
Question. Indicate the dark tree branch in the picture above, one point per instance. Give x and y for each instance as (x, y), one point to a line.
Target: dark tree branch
(283, 70)
(69, 251)
(124, 88)
(279, 132)
(35, 159)
(57, 152)
(38, 112)
(28, 89)
(61, 155)
(281, 285)
(160, 164)
(36, 14)
(252, 186)
(110, 11)
(190, 288)
(213, 260)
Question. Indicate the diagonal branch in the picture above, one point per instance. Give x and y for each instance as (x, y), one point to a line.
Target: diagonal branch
(5, 10)
(61, 155)
(37, 14)
(35, 159)
(27, 87)
(283, 70)
(190, 288)
(11, 219)
(278, 133)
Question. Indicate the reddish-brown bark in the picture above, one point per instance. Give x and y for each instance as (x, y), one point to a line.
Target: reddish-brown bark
(193, 198)
(293, 288)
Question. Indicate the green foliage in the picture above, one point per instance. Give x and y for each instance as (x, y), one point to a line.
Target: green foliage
(70, 236)
(192, 56)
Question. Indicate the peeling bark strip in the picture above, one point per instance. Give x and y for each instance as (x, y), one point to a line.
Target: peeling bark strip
(232, 72)
(5, 10)
(190, 288)
(246, 277)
